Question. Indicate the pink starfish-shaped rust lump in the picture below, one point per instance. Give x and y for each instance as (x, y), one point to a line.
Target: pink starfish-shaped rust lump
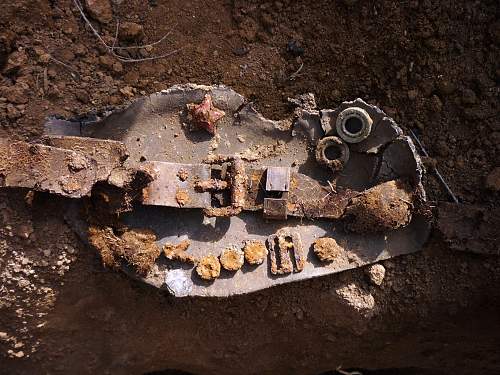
(205, 115)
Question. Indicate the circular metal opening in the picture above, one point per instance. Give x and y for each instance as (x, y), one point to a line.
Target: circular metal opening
(332, 152)
(353, 124)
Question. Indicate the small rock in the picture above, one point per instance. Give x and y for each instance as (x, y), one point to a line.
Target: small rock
(294, 48)
(445, 87)
(376, 273)
(469, 97)
(106, 61)
(100, 10)
(131, 31)
(493, 180)
(117, 67)
(435, 104)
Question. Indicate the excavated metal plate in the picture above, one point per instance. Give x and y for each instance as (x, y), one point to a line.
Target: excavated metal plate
(155, 129)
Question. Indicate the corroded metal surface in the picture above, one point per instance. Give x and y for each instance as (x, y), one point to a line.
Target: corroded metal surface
(156, 132)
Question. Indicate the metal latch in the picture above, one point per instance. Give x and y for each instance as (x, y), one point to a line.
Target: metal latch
(277, 188)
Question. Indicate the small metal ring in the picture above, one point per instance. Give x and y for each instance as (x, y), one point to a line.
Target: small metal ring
(340, 156)
(353, 124)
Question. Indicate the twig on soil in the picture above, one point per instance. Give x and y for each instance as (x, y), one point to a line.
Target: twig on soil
(111, 49)
(296, 73)
(436, 172)
(72, 71)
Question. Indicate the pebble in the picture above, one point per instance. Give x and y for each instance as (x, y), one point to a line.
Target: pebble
(99, 10)
(376, 274)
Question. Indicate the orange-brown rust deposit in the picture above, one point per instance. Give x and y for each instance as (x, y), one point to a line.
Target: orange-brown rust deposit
(178, 252)
(182, 197)
(327, 249)
(232, 259)
(384, 207)
(183, 174)
(136, 246)
(255, 252)
(205, 115)
(208, 268)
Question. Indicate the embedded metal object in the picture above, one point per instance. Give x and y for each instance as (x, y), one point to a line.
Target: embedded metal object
(235, 188)
(277, 187)
(332, 152)
(354, 124)
(281, 245)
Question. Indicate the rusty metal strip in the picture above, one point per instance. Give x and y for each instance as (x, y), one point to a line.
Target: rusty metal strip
(46, 168)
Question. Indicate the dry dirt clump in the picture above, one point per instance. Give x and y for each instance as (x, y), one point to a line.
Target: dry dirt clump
(327, 249)
(383, 207)
(376, 274)
(136, 246)
(232, 259)
(208, 268)
(255, 252)
(178, 252)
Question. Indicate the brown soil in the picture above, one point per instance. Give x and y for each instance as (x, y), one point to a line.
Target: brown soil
(432, 65)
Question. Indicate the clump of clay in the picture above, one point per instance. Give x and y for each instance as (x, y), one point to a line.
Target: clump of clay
(327, 249)
(178, 252)
(383, 207)
(208, 268)
(136, 246)
(232, 259)
(255, 252)
(182, 197)
(376, 274)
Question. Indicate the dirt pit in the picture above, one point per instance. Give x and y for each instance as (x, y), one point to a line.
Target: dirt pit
(431, 65)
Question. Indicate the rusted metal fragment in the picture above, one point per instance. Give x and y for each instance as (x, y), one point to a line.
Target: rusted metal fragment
(205, 115)
(327, 249)
(136, 246)
(208, 268)
(333, 153)
(211, 185)
(470, 228)
(163, 190)
(280, 245)
(45, 168)
(238, 186)
(255, 252)
(400, 160)
(178, 252)
(386, 206)
(107, 154)
(232, 259)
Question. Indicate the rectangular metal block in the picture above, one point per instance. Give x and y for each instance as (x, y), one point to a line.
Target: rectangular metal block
(278, 179)
(275, 208)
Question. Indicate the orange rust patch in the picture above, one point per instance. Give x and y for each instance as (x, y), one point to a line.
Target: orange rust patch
(327, 249)
(208, 268)
(178, 252)
(182, 197)
(232, 259)
(255, 252)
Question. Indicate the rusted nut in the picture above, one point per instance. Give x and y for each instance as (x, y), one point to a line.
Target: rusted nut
(208, 268)
(353, 124)
(383, 207)
(232, 259)
(327, 249)
(332, 152)
(255, 252)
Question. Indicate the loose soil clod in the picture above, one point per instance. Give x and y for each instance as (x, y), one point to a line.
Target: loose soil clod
(255, 252)
(232, 259)
(327, 249)
(208, 268)
(136, 246)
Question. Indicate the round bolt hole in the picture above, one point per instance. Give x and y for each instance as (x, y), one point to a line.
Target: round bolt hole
(333, 152)
(353, 125)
